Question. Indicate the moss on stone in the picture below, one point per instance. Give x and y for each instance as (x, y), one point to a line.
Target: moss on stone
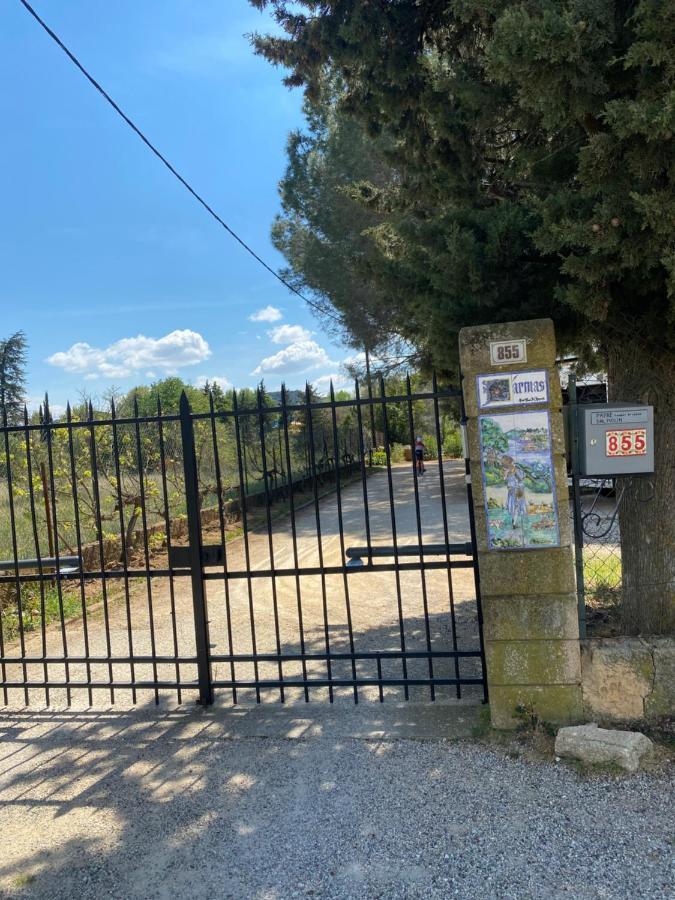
(540, 662)
(559, 704)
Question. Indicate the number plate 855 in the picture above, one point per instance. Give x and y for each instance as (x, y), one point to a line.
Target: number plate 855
(629, 442)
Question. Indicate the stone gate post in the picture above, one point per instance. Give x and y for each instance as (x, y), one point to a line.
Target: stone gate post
(516, 446)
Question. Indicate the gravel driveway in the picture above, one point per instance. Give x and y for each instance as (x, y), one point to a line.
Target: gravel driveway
(310, 803)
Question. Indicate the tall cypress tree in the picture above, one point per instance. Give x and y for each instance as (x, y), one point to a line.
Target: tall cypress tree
(13, 377)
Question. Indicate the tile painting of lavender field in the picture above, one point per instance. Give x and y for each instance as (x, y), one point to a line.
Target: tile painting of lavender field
(518, 481)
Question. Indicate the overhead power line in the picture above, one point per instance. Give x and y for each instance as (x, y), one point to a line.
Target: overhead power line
(57, 40)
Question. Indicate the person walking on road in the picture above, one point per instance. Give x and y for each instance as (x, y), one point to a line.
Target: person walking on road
(419, 455)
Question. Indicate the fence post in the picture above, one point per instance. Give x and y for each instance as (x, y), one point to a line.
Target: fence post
(195, 539)
(516, 448)
(573, 423)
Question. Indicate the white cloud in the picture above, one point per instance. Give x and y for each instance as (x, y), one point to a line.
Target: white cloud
(289, 334)
(299, 357)
(358, 361)
(340, 383)
(266, 314)
(224, 383)
(129, 355)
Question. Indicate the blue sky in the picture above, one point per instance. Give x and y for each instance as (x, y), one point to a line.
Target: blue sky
(114, 272)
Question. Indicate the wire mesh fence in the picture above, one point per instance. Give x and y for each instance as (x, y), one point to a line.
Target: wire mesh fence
(621, 550)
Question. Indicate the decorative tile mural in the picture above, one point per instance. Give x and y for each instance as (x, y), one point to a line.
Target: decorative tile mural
(518, 481)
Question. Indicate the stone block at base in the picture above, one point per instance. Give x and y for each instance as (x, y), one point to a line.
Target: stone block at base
(617, 678)
(543, 616)
(557, 703)
(600, 746)
(627, 679)
(526, 571)
(533, 662)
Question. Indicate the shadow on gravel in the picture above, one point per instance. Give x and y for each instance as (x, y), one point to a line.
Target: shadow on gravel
(154, 803)
(122, 802)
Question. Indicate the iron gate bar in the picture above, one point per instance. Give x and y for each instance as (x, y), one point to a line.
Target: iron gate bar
(474, 541)
(244, 521)
(132, 574)
(97, 575)
(214, 554)
(125, 554)
(446, 533)
(55, 532)
(364, 476)
(338, 497)
(93, 457)
(317, 517)
(36, 542)
(45, 562)
(15, 548)
(338, 570)
(362, 654)
(167, 527)
(146, 551)
(270, 541)
(221, 523)
(294, 536)
(194, 532)
(116, 660)
(271, 684)
(224, 414)
(78, 539)
(418, 519)
(392, 516)
(105, 685)
(410, 550)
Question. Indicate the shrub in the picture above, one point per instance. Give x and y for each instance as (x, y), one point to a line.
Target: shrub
(397, 453)
(452, 445)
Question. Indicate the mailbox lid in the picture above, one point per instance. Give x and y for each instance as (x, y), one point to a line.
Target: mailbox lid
(616, 439)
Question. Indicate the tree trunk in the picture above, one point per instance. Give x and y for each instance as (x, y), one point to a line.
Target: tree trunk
(647, 508)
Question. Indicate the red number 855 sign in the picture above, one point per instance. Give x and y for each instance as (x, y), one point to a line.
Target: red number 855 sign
(629, 442)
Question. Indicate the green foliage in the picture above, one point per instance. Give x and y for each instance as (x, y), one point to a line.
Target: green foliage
(38, 602)
(514, 160)
(452, 444)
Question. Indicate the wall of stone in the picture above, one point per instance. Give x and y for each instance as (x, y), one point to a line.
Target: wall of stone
(628, 679)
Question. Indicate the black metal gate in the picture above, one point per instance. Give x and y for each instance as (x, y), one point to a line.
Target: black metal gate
(287, 547)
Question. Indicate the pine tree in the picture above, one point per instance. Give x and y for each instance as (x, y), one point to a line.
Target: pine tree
(534, 146)
(13, 377)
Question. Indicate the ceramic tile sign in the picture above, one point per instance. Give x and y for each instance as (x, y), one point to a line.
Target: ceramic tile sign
(506, 353)
(518, 481)
(512, 389)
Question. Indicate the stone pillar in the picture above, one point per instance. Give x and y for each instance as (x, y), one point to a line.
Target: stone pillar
(517, 450)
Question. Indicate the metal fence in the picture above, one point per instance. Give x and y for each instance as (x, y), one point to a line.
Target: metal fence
(138, 558)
